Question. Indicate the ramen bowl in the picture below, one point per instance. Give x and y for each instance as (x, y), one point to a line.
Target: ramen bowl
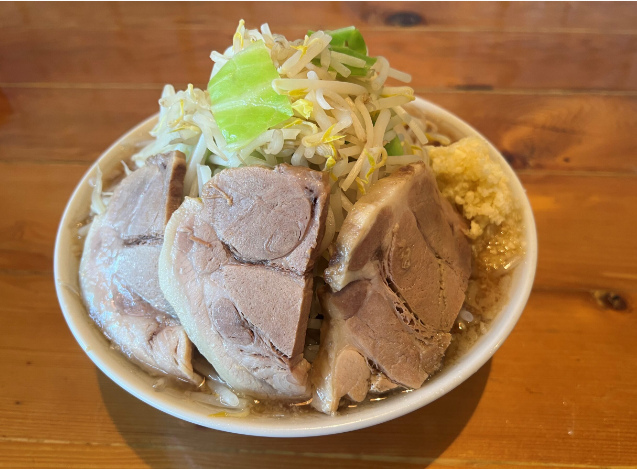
(174, 402)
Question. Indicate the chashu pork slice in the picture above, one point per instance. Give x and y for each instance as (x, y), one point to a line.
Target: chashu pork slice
(119, 269)
(236, 267)
(397, 281)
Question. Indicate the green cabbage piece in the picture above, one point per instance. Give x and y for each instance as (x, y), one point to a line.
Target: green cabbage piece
(394, 148)
(349, 41)
(349, 37)
(243, 102)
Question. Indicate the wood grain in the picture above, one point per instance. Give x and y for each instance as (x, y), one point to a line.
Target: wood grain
(68, 125)
(613, 17)
(553, 132)
(548, 132)
(553, 85)
(28, 225)
(585, 228)
(507, 413)
(434, 58)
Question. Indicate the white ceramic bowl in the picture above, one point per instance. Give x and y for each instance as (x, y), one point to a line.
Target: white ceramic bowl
(139, 384)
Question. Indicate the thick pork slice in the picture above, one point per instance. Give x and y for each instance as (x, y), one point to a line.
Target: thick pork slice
(397, 277)
(118, 272)
(236, 268)
(144, 201)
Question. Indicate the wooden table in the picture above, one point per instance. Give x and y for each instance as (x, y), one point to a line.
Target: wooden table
(553, 85)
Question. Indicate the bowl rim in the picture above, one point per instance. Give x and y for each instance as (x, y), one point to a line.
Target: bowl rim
(448, 379)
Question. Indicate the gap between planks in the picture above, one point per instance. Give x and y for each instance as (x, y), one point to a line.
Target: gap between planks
(362, 28)
(451, 462)
(462, 89)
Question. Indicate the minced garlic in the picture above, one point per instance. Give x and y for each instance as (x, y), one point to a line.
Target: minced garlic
(468, 177)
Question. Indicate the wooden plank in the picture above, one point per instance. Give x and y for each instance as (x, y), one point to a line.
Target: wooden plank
(61, 455)
(585, 223)
(565, 133)
(34, 198)
(565, 16)
(66, 125)
(369, 15)
(585, 229)
(172, 15)
(78, 456)
(544, 400)
(434, 58)
(570, 133)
